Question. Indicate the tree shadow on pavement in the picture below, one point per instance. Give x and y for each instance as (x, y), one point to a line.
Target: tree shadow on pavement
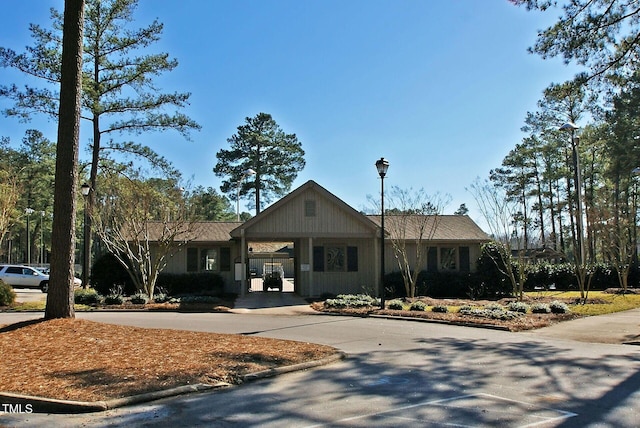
(372, 385)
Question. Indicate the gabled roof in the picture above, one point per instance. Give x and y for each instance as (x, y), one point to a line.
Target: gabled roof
(447, 228)
(343, 206)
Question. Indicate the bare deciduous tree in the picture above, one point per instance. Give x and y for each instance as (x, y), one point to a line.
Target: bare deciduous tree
(142, 224)
(616, 229)
(411, 224)
(499, 213)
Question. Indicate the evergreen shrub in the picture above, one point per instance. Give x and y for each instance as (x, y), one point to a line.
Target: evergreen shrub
(418, 306)
(7, 295)
(87, 297)
(107, 273)
(395, 305)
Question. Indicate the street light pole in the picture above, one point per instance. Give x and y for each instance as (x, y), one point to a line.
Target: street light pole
(28, 212)
(572, 127)
(41, 238)
(382, 165)
(245, 174)
(86, 189)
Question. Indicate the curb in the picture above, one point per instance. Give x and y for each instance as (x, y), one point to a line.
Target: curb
(33, 404)
(293, 368)
(437, 321)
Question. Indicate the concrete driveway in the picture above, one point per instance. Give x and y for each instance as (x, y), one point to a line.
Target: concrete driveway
(271, 302)
(29, 295)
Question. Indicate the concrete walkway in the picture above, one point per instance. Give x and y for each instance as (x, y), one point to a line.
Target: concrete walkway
(271, 303)
(617, 328)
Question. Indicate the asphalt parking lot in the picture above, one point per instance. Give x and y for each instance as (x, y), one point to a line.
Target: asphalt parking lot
(396, 373)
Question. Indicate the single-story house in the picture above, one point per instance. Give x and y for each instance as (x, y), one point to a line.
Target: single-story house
(331, 247)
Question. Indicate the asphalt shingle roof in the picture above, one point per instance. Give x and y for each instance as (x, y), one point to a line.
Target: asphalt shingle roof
(448, 227)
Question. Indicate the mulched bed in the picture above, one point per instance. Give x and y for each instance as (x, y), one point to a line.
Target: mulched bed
(527, 322)
(73, 359)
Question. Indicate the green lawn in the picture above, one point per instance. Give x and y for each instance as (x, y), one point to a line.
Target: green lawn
(595, 306)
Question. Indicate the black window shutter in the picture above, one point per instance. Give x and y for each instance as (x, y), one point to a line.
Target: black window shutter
(465, 263)
(225, 259)
(192, 259)
(352, 259)
(318, 259)
(432, 259)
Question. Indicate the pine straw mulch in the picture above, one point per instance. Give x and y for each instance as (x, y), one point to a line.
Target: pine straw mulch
(73, 359)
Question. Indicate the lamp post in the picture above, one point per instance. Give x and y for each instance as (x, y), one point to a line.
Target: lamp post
(572, 127)
(41, 238)
(28, 212)
(382, 165)
(86, 189)
(245, 174)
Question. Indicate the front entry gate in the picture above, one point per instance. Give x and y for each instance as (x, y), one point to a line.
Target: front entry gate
(260, 266)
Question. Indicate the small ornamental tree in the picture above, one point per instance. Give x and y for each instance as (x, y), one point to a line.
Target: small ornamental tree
(143, 223)
(411, 224)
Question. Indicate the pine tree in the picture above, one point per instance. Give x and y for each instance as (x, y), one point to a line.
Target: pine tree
(262, 146)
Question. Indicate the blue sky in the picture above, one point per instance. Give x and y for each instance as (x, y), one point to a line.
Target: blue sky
(440, 88)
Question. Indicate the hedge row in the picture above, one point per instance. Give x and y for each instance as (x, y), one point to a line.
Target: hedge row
(108, 273)
(488, 282)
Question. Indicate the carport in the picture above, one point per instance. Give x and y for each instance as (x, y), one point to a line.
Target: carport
(261, 254)
(333, 247)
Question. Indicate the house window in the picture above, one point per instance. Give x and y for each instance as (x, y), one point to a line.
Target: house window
(310, 208)
(335, 258)
(209, 259)
(448, 258)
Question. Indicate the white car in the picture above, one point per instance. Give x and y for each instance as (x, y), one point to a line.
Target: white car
(19, 276)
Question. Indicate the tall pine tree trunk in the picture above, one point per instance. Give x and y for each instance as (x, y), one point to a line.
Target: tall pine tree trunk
(60, 296)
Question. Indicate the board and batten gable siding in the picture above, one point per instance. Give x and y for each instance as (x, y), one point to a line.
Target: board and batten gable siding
(310, 213)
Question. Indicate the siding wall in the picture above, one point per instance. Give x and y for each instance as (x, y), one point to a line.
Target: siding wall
(178, 263)
(314, 283)
(311, 218)
(392, 265)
